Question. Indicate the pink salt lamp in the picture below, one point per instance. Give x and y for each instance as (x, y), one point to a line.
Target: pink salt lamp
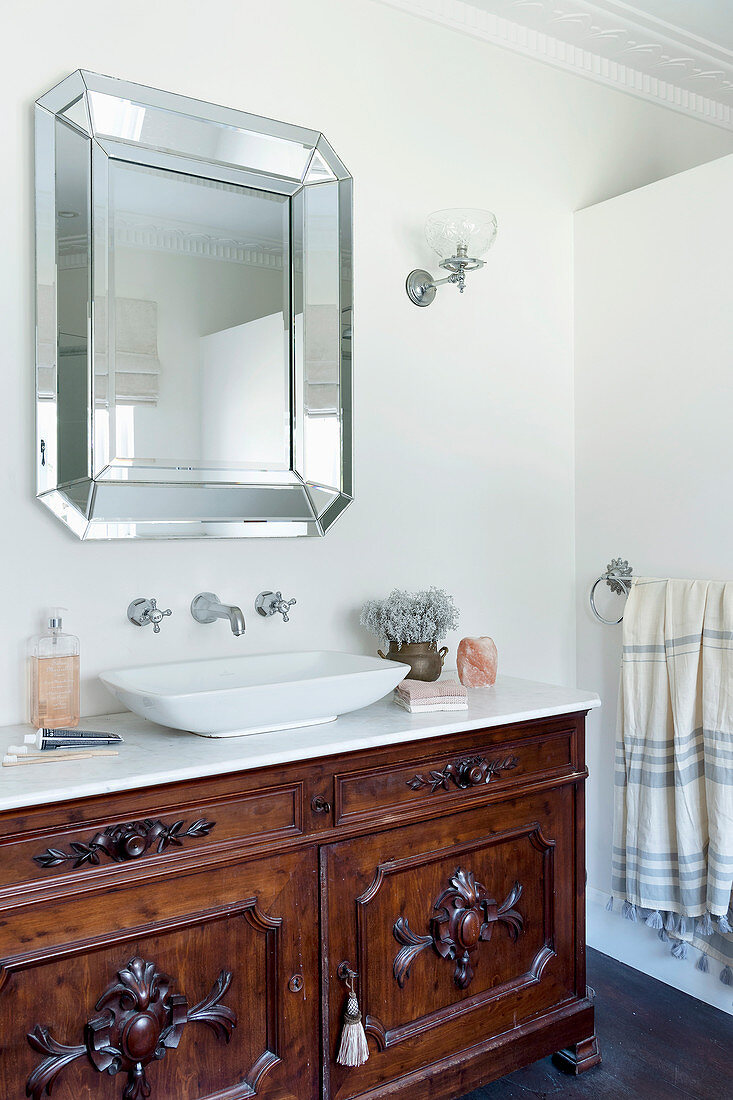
(477, 660)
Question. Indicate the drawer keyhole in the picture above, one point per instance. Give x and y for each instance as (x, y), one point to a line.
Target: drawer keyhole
(320, 805)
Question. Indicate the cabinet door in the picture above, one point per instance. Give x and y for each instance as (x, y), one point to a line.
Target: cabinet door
(194, 987)
(459, 930)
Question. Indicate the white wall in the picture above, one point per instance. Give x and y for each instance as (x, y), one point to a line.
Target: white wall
(654, 458)
(464, 451)
(245, 394)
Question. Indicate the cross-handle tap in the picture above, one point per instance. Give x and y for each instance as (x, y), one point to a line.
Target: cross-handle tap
(270, 603)
(143, 612)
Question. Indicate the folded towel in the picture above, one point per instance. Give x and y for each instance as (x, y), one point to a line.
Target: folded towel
(424, 708)
(417, 691)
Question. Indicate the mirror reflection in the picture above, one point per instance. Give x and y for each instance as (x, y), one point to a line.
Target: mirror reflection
(200, 278)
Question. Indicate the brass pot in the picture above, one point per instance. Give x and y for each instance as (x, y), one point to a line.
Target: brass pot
(424, 658)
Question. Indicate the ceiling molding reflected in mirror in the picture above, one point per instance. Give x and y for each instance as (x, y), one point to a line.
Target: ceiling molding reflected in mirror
(194, 318)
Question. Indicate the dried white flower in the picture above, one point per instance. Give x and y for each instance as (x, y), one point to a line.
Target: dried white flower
(405, 617)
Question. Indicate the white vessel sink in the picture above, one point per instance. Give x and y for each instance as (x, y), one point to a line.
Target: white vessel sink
(231, 696)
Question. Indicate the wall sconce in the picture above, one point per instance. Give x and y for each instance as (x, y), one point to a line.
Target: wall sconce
(460, 238)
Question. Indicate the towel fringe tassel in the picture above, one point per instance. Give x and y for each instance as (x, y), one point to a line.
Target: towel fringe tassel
(680, 926)
(629, 912)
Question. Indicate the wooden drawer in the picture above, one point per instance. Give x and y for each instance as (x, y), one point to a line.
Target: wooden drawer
(41, 848)
(452, 778)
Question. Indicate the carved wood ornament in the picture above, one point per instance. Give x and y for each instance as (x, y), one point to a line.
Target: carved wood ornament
(123, 842)
(466, 773)
(463, 916)
(140, 1021)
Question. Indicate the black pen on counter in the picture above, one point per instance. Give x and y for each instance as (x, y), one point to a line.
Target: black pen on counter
(49, 739)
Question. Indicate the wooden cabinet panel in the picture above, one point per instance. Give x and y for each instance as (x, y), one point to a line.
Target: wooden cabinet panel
(62, 852)
(206, 979)
(451, 777)
(458, 929)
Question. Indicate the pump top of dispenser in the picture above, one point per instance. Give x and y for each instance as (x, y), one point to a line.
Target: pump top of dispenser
(53, 642)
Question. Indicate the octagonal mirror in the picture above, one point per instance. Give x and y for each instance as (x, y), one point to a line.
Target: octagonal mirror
(194, 318)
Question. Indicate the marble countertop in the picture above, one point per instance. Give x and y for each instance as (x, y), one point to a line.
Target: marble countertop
(153, 754)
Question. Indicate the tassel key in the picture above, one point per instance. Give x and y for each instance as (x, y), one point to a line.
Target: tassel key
(353, 1049)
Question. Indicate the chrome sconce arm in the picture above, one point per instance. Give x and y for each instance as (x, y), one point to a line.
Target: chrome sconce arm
(421, 287)
(451, 233)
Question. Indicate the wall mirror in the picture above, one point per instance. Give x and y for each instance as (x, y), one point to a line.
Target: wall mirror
(194, 317)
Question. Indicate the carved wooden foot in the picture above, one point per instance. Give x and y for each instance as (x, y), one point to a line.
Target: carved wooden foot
(579, 1057)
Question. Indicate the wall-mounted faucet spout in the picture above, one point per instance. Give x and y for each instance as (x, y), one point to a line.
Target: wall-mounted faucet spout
(207, 608)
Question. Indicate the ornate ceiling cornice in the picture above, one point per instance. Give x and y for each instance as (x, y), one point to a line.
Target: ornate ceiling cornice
(201, 242)
(606, 41)
(136, 231)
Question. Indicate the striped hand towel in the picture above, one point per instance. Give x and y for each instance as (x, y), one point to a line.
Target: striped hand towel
(673, 820)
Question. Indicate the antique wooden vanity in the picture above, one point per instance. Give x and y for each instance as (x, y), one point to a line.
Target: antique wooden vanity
(180, 936)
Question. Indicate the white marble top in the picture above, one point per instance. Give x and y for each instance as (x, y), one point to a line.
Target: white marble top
(153, 754)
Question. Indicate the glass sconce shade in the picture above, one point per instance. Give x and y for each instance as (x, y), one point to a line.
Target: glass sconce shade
(460, 237)
(461, 232)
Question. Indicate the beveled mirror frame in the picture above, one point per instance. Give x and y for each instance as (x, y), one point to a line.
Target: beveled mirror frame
(104, 503)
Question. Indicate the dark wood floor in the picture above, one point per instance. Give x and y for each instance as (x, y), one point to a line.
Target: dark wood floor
(657, 1044)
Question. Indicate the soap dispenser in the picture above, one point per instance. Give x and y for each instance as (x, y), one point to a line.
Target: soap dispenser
(54, 676)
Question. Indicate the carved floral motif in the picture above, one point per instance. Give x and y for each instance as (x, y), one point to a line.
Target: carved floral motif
(463, 917)
(466, 773)
(123, 842)
(140, 1019)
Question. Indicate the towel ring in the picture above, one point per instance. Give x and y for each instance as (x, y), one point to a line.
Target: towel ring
(618, 577)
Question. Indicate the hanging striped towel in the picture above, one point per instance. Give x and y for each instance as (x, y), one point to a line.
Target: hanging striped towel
(673, 813)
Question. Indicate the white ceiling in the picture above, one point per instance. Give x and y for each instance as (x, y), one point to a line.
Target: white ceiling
(711, 20)
(678, 53)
